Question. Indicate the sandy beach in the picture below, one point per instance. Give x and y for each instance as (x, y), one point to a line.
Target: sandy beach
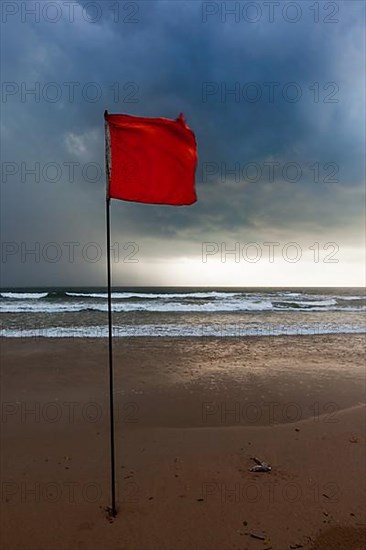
(190, 416)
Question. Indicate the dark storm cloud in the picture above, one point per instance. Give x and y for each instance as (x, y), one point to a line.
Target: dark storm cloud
(168, 61)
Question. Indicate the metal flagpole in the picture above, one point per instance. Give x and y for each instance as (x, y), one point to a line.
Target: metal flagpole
(110, 333)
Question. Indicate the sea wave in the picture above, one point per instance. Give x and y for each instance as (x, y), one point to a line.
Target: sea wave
(174, 307)
(155, 295)
(23, 295)
(210, 301)
(184, 331)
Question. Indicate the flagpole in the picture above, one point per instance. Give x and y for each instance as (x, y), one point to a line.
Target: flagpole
(110, 335)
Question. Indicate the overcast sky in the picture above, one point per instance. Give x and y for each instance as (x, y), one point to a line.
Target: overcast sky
(275, 95)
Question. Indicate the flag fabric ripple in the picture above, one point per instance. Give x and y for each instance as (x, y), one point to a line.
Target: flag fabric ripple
(150, 160)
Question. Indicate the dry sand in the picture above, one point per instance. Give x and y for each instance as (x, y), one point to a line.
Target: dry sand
(190, 415)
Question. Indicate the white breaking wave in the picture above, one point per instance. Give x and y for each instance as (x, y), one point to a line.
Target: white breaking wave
(183, 331)
(171, 307)
(331, 302)
(24, 295)
(153, 295)
(236, 306)
(27, 307)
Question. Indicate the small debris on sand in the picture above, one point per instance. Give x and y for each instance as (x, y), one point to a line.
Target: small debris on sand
(260, 466)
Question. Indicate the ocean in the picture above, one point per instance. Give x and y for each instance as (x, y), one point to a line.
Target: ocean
(181, 312)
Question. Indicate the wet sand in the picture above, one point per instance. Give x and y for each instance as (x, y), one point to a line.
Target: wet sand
(190, 416)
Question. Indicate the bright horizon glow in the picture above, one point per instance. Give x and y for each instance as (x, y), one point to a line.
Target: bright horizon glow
(194, 273)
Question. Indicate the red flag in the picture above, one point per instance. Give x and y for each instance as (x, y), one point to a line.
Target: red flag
(151, 160)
